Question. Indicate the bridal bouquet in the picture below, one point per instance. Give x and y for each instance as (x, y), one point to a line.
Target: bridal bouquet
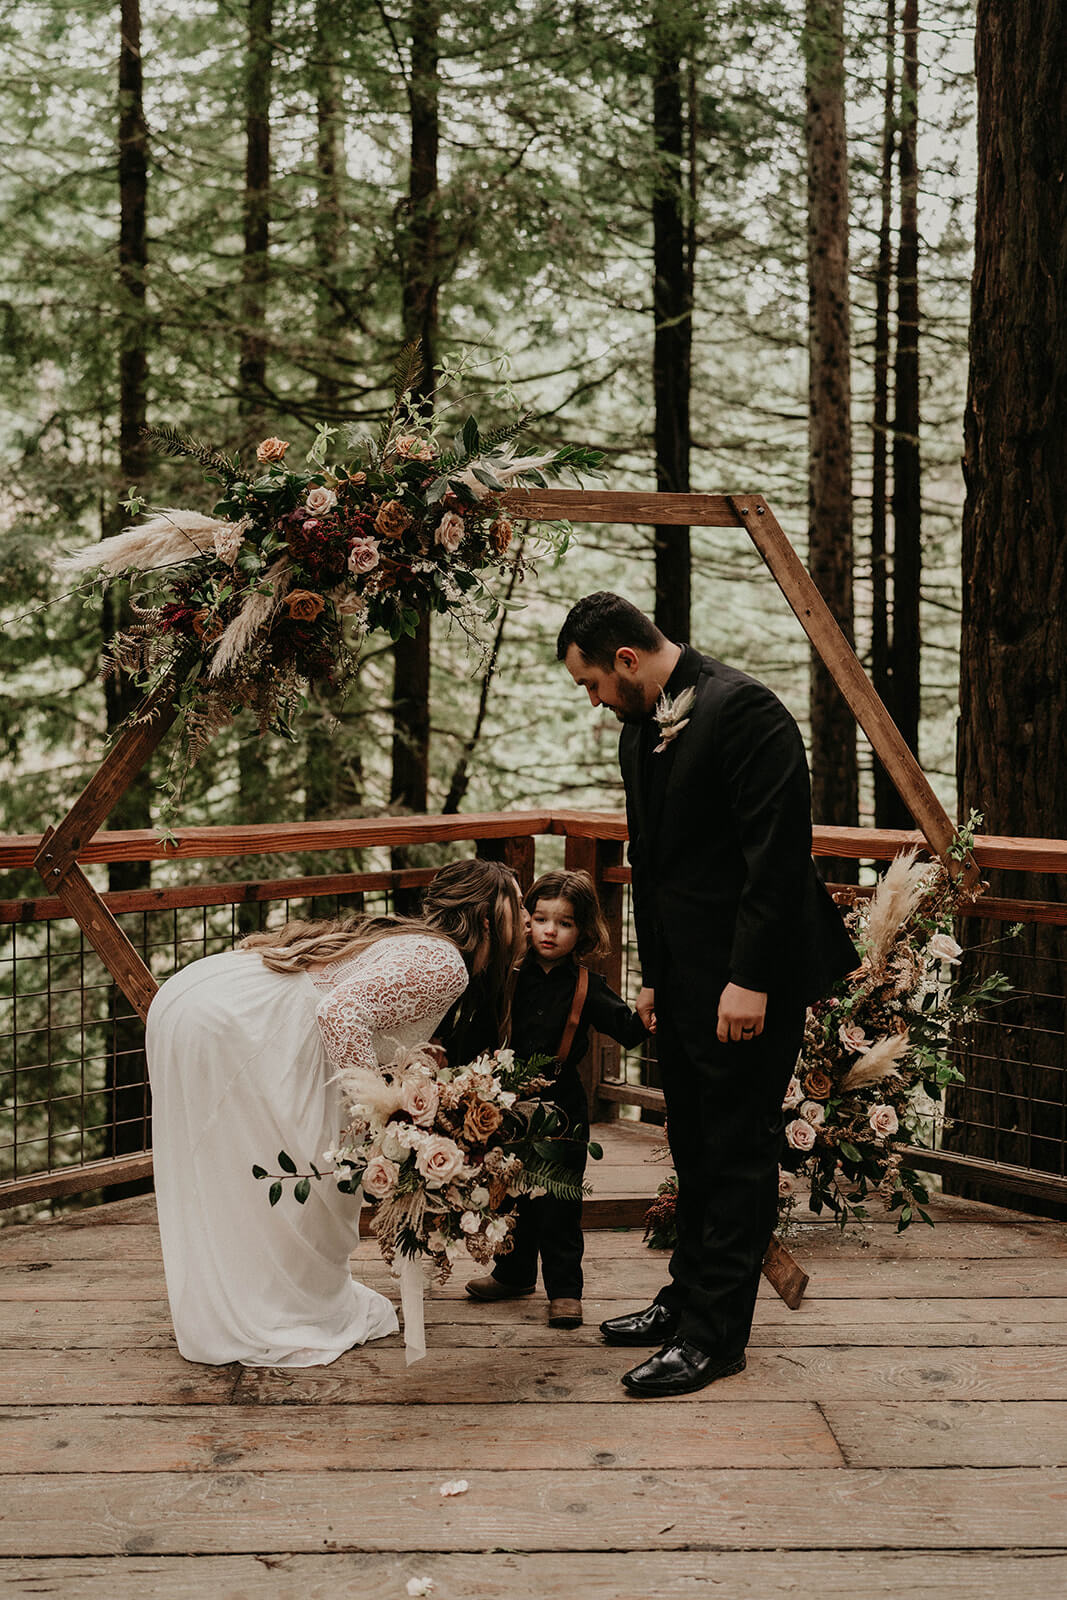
(441, 1154)
(298, 562)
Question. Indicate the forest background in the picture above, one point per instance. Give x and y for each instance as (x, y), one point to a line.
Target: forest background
(731, 245)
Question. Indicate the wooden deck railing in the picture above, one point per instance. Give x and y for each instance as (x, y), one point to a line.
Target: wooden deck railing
(74, 1117)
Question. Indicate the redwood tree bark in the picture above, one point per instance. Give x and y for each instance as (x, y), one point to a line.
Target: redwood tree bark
(906, 648)
(421, 274)
(1013, 682)
(254, 267)
(885, 794)
(672, 304)
(833, 728)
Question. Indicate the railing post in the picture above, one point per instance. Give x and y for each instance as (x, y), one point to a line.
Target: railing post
(593, 856)
(518, 854)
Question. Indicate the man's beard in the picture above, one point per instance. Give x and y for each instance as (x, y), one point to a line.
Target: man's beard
(633, 708)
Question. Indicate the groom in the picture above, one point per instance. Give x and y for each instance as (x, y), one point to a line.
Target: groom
(736, 936)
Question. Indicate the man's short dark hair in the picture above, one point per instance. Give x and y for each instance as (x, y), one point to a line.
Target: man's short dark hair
(602, 623)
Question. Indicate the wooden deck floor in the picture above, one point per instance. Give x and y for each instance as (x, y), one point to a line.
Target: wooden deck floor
(904, 1433)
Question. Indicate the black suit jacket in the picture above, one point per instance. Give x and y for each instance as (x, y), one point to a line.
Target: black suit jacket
(724, 886)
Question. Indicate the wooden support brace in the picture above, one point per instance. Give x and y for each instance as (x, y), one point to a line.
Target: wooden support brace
(818, 622)
(785, 1276)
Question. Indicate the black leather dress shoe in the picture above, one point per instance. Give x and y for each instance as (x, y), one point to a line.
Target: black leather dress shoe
(680, 1369)
(655, 1325)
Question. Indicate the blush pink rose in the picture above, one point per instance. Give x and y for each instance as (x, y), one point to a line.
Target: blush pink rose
(228, 542)
(813, 1112)
(884, 1121)
(439, 1160)
(362, 555)
(379, 1176)
(800, 1134)
(786, 1185)
(449, 532)
(853, 1038)
(793, 1095)
(320, 500)
(943, 947)
(419, 1097)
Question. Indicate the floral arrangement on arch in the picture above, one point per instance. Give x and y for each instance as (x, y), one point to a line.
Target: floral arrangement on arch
(877, 1053)
(441, 1153)
(297, 564)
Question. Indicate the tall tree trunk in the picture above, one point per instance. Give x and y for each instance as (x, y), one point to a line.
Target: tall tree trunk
(126, 1075)
(253, 769)
(1013, 683)
(885, 795)
(320, 758)
(421, 272)
(907, 508)
(833, 728)
(672, 306)
(254, 267)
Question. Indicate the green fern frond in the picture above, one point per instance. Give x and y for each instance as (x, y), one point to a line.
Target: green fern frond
(557, 1180)
(174, 442)
(407, 370)
(453, 460)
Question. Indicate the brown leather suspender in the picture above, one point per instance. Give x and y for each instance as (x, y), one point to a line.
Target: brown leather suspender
(581, 989)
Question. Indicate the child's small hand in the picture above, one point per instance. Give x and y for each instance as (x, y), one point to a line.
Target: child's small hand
(645, 1006)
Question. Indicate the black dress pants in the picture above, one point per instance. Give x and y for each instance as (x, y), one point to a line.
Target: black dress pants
(549, 1229)
(724, 1128)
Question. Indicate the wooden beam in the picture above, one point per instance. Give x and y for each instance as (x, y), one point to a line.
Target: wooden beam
(594, 505)
(821, 628)
(108, 940)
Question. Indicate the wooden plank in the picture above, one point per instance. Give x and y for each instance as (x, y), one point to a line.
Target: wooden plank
(448, 1439)
(595, 505)
(817, 1508)
(356, 833)
(82, 1179)
(112, 1377)
(914, 1433)
(510, 1575)
(819, 624)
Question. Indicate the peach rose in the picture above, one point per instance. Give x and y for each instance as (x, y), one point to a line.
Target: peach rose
(439, 1160)
(817, 1085)
(357, 477)
(304, 606)
(362, 555)
(379, 1177)
(800, 1134)
(481, 1121)
(500, 535)
(271, 450)
(418, 1097)
(414, 448)
(392, 520)
(449, 532)
(319, 500)
(883, 1120)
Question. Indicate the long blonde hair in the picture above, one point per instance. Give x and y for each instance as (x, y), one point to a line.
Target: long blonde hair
(465, 900)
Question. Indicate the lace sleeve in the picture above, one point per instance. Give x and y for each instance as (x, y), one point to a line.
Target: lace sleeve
(396, 981)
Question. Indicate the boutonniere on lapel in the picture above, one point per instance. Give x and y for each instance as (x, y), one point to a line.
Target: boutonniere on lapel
(672, 716)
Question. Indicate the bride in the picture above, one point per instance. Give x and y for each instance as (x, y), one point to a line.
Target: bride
(243, 1050)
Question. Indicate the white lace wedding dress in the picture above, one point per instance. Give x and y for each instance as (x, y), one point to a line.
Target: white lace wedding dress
(241, 1060)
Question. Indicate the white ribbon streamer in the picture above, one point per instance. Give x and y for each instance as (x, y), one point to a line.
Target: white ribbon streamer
(412, 1288)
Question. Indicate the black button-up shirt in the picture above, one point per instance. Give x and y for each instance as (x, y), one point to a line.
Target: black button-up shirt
(542, 1004)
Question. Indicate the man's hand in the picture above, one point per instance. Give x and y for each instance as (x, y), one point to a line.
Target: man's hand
(646, 1008)
(741, 1014)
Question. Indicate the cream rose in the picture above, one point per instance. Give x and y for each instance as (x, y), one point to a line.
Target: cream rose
(439, 1160)
(418, 1097)
(793, 1095)
(271, 450)
(812, 1112)
(228, 542)
(800, 1134)
(942, 947)
(884, 1121)
(786, 1185)
(470, 1222)
(362, 555)
(449, 532)
(480, 1196)
(379, 1177)
(319, 500)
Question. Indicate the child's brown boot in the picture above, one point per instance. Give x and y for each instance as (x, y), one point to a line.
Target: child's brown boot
(492, 1289)
(564, 1313)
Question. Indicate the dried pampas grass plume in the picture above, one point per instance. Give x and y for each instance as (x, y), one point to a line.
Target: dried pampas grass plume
(365, 1088)
(166, 540)
(878, 1063)
(893, 902)
(256, 611)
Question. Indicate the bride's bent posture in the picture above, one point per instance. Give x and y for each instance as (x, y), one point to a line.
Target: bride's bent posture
(243, 1050)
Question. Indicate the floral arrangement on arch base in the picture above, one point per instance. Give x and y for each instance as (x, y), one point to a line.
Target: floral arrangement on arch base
(442, 1153)
(296, 565)
(876, 1058)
